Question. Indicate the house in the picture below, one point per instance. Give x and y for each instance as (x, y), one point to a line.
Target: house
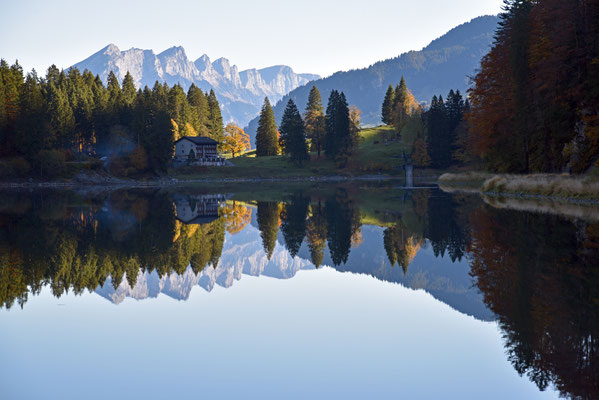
(199, 209)
(196, 149)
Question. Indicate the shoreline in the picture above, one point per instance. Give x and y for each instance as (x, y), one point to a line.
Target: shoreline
(582, 189)
(170, 182)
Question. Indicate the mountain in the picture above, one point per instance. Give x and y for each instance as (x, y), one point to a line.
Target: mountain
(446, 63)
(240, 93)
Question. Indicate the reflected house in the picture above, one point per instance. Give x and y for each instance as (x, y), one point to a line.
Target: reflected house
(198, 209)
(197, 150)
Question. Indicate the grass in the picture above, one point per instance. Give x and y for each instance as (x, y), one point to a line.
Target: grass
(378, 152)
(547, 185)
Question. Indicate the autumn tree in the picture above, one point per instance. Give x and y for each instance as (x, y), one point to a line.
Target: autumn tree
(235, 140)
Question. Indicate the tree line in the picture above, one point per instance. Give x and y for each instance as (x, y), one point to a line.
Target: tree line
(334, 131)
(535, 100)
(69, 115)
(432, 136)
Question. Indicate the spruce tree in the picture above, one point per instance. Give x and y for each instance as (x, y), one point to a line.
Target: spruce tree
(268, 224)
(316, 233)
(293, 223)
(344, 131)
(129, 93)
(400, 106)
(266, 134)
(293, 134)
(330, 139)
(114, 91)
(315, 120)
(387, 109)
(216, 130)
(199, 109)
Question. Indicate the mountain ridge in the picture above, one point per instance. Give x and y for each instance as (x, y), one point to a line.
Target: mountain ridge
(240, 93)
(445, 63)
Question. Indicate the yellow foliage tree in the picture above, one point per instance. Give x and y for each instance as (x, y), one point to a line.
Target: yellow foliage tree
(236, 140)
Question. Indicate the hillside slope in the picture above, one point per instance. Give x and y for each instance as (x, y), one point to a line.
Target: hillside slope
(446, 63)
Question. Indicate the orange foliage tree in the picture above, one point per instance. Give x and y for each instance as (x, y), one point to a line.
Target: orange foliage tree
(236, 140)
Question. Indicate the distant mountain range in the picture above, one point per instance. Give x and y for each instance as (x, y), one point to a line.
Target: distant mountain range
(446, 63)
(240, 93)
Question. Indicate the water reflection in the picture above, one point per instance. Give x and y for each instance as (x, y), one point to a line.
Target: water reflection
(537, 274)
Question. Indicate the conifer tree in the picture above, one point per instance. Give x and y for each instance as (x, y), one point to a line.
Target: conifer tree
(266, 134)
(331, 140)
(114, 90)
(338, 139)
(199, 109)
(293, 223)
(128, 91)
(387, 109)
(268, 224)
(31, 137)
(401, 107)
(316, 233)
(215, 118)
(315, 120)
(293, 135)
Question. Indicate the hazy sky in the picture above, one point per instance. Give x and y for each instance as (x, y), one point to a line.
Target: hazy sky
(316, 36)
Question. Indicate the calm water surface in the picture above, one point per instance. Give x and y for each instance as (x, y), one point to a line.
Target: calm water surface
(296, 292)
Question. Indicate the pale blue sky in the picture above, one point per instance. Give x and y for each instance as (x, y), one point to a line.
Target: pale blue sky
(316, 36)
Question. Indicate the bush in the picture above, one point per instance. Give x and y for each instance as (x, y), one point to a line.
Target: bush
(52, 163)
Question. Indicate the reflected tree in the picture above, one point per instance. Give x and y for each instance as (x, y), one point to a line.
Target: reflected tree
(268, 224)
(316, 232)
(293, 222)
(343, 220)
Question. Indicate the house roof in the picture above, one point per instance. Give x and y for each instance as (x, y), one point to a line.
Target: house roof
(200, 220)
(198, 140)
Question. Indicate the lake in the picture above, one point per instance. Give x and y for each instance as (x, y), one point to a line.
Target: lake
(361, 290)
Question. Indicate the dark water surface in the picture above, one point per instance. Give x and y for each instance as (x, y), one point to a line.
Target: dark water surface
(294, 292)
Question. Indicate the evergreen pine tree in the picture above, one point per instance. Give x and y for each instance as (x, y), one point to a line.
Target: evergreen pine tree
(199, 109)
(266, 134)
(268, 225)
(316, 233)
(331, 142)
(293, 135)
(129, 93)
(215, 119)
(401, 110)
(31, 137)
(293, 223)
(387, 109)
(315, 120)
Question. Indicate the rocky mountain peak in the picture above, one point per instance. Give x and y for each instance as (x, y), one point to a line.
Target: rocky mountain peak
(240, 93)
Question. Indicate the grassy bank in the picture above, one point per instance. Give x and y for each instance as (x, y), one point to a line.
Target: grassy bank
(378, 152)
(559, 186)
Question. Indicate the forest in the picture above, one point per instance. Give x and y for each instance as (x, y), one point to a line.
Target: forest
(533, 105)
(535, 101)
(69, 116)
